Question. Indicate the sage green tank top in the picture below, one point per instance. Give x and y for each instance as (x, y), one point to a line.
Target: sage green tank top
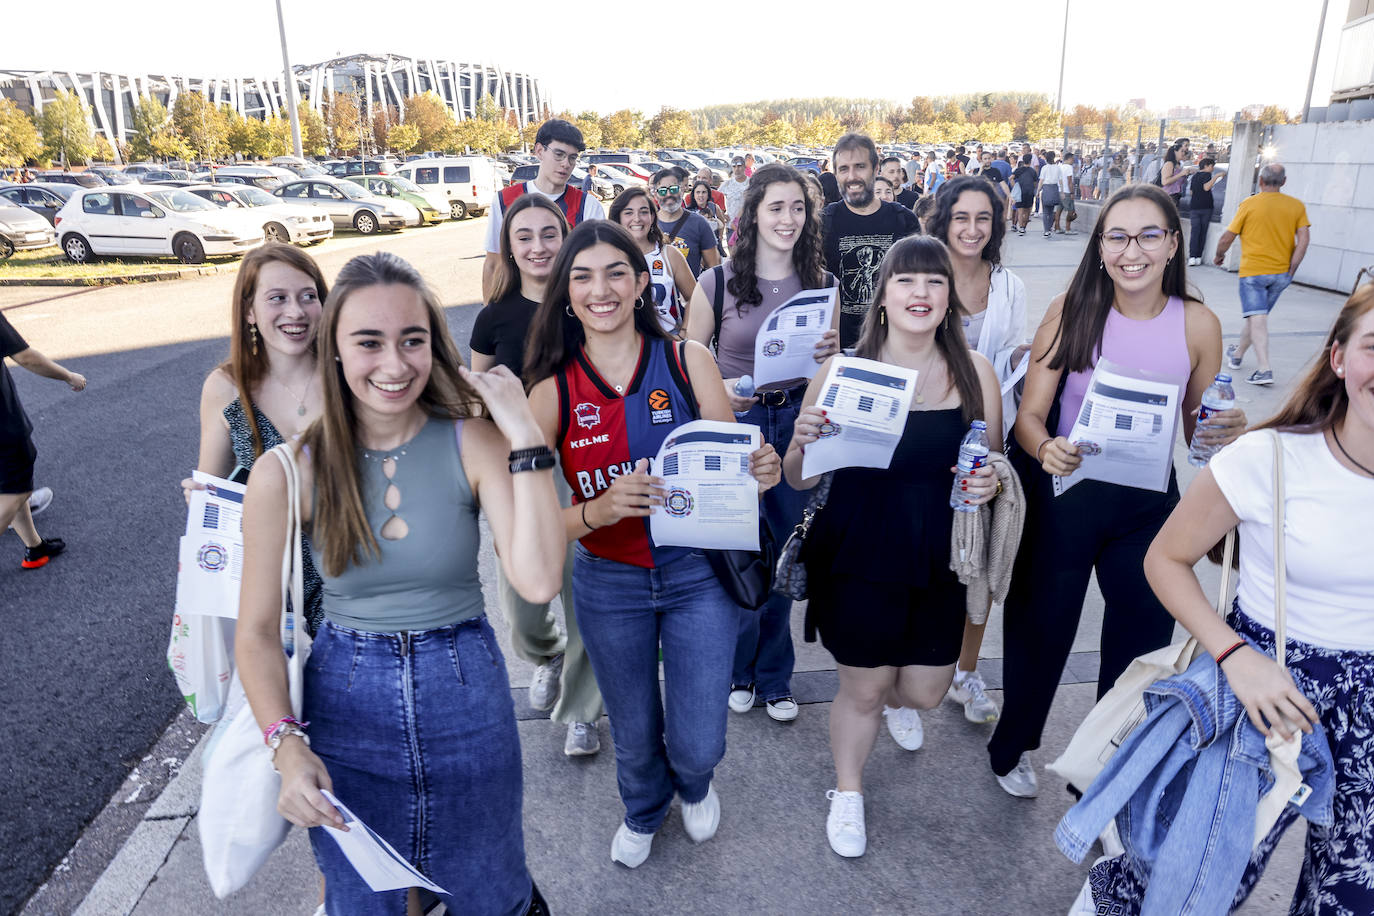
(428, 578)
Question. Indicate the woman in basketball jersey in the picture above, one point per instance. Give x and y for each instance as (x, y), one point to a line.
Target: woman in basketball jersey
(609, 385)
(670, 279)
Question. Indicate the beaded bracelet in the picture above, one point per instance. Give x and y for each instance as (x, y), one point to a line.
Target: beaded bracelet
(1227, 654)
(280, 726)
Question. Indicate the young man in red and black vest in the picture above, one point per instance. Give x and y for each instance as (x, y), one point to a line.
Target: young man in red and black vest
(556, 146)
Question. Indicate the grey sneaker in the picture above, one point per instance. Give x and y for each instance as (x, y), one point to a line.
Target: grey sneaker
(39, 500)
(582, 740)
(904, 725)
(1021, 781)
(545, 687)
(1261, 377)
(1232, 360)
(972, 692)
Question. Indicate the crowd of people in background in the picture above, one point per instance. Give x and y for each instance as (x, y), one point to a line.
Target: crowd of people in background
(596, 325)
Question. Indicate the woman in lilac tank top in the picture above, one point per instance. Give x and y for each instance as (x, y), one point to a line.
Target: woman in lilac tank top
(1128, 302)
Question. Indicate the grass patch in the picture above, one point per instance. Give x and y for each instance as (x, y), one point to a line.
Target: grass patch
(51, 263)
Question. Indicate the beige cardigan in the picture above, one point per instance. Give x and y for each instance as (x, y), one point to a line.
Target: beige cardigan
(982, 548)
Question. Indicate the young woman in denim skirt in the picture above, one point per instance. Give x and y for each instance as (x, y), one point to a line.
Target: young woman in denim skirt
(609, 386)
(883, 597)
(1129, 303)
(778, 255)
(407, 703)
(1327, 433)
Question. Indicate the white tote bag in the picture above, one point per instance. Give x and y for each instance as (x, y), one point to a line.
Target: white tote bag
(239, 823)
(199, 653)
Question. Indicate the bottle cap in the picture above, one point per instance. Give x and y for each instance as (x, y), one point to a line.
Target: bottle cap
(1223, 377)
(978, 424)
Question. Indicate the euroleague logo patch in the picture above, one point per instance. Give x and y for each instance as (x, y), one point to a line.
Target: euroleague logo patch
(660, 407)
(828, 428)
(773, 347)
(678, 503)
(588, 415)
(658, 267)
(212, 557)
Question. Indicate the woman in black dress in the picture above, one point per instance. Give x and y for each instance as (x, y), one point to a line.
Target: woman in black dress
(887, 606)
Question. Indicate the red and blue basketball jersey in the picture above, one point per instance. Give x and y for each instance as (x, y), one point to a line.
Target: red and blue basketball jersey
(602, 434)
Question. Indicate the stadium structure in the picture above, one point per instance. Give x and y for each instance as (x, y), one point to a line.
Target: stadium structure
(378, 79)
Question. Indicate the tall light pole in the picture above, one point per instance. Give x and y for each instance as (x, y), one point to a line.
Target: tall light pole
(1063, 53)
(290, 86)
(1312, 77)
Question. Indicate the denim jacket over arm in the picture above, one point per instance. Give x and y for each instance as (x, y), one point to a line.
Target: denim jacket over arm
(1184, 788)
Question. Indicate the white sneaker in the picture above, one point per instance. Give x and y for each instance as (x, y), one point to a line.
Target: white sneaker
(905, 727)
(742, 698)
(582, 740)
(546, 686)
(844, 826)
(702, 818)
(1021, 781)
(970, 689)
(39, 500)
(783, 709)
(629, 848)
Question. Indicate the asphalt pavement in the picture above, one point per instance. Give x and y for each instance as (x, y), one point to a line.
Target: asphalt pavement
(100, 795)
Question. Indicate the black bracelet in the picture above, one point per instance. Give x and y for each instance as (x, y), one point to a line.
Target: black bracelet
(586, 523)
(538, 458)
(1227, 654)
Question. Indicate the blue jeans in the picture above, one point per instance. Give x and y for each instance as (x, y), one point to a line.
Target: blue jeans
(418, 733)
(663, 743)
(1259, 294)
(764, 655)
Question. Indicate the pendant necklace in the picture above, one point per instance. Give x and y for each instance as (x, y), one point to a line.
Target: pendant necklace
(300, 401)
(1347, 454)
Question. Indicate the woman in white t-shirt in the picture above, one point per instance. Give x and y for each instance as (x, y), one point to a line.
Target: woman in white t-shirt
(669, 276)
(1327, 432)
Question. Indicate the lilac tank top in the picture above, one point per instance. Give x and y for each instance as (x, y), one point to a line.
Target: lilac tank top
(1158, 345)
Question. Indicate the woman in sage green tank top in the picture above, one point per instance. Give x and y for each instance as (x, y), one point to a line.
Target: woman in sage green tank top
(407, 700)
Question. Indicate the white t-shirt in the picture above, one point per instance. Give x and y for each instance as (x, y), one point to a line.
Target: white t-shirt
(592, 209)
(1051, 174)
(1329, 556)
(734, 196)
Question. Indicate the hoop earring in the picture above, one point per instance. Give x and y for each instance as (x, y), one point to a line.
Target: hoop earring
(639, 303)
(253, 336)
(568, 308)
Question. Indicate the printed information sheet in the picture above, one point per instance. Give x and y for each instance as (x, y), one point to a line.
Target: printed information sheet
(1125, 430)
(211, 553)
(374, 859)
(712, 500)
(786, 344)
(865, 404)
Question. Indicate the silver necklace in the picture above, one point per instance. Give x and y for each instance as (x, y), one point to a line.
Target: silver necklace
(300, 401)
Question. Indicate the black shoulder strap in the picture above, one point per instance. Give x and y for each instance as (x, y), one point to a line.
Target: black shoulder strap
(677, 226)
(718, 303)
(677, 368)
(564, 404)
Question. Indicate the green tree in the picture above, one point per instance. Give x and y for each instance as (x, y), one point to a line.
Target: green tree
(1273, 114)
(152, 126)
(1042, 123)
(342, 117)
(19, 138)
(431, 118)
(671, 127)
(822, 131)
(590, 124)
(67, 134)
(922, 110)
(314, 133)
(489, 129)
(776, 132)
(201, 125)
(403, 137)
(101, 150)
(621, 128)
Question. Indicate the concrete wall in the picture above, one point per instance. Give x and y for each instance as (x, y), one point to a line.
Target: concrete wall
(1331, 170)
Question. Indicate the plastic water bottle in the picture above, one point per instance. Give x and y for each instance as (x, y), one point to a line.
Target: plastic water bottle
(1218, 396)
(744, 386)
(973, 454)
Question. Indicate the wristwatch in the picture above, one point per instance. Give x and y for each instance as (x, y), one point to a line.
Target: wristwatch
(538, 458)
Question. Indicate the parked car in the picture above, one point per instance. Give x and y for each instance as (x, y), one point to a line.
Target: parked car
(256, 175)
(40, 197)
(135, 170)
(348, 205)
(379, 165)
(111, 176)
(151, 221)
(805, 164)
(431, 206)
(23, 230)
(468, 182)
(620, 180)
(155, 175)
(80, 179)
(653, 168)
(281, 221)
(602, 187)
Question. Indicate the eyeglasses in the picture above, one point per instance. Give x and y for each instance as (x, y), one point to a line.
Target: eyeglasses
(1149, 240)
(561, 157)
(669, 190)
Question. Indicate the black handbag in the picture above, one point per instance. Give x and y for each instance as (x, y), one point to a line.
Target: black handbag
(746, 575)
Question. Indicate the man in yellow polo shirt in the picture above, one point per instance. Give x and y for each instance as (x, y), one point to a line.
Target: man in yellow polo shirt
(1275, 231)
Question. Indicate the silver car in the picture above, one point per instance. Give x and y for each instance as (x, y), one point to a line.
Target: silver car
(281, 221)
(348, 205)
(21, 230)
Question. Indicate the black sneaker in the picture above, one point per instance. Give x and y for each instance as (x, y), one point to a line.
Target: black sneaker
(35, 557)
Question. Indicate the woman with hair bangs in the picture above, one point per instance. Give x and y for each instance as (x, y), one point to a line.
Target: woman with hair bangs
(393, 471)
(777, 256)
(968, 219)
(1128, 302)
(266, 392)
(670, 279)
(888, 607)
(609, 387)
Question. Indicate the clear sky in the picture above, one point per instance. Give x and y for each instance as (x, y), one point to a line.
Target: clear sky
(1219, 53)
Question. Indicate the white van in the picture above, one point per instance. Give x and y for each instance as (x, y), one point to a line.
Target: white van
(469, 182)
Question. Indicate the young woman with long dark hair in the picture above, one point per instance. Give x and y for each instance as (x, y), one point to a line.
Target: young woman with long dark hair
(407, 701)
(609, 386)
(1128, 302)
(883, 597)
(777, 255)
(670, 279)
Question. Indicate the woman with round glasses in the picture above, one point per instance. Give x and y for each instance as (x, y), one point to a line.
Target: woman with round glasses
(1128, 303)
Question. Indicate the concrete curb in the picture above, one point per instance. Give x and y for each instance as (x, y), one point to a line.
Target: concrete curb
(204, 270)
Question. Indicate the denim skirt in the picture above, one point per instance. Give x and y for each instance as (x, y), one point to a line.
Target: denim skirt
(418, 733)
